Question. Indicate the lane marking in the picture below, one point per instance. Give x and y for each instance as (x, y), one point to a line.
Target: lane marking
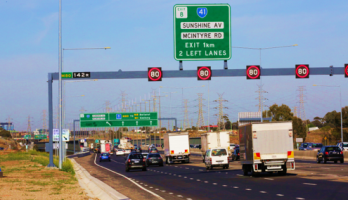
(309, 184)
(224, 186)
(280, 195)
(191, 178)
(206, 182)
(271, 179)
(156, 195)
(156, 189)
(263, 192)
(198, 180)
(185, 177)
(235, 187)
(163, 191)
(214, 183)
(247, 189)
(179, 175)
(239, 175)
(300, 198)
(170, 193)
(180, 196)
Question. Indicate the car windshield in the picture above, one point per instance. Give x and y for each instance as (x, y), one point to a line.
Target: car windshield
(105, 154)
(136, 156)
(305, 145)
(333, 149)
(317, 145)
(154, 156)
(219, 152)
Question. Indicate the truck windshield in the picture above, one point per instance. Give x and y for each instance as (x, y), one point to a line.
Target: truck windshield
(219, 152)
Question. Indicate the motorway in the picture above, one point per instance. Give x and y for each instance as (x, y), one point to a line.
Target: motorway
(192, 181)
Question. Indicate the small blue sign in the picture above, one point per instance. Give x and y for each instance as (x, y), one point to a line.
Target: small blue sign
(202, 12)
(118, 116)
(88, 116)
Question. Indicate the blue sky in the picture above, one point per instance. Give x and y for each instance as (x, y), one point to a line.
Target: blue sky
(140, 34)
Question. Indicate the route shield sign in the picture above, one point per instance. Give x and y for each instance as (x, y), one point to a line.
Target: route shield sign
(202, 32)
(93, 120)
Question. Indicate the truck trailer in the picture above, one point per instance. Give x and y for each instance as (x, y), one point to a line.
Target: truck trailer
(214, 140)
(176, 147)
(266, 147)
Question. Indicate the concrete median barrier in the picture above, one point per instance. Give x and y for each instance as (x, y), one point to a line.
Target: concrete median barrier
(94, 187)
(312, 154)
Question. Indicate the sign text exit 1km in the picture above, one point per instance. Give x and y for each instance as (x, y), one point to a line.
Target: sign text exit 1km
(202, 32)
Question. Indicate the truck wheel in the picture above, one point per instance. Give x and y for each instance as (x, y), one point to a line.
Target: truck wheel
(335, 161)
(188, 160)
(245, 170)
(211, 167)
(227, 166)
(206, 167)
(167, 160)
(324, 161)
(318, 161)
(342, 161)
(283, 173)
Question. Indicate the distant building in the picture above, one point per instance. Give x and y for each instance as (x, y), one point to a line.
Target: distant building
(7, 126)
(248, 117)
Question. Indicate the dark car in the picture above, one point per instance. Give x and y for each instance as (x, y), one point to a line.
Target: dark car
(154, 159)
(316, 146)
(305, 146)
(105, 156)
(153, 150)
(235, 154)
(1, 148)
(135, 161)
(330, 153)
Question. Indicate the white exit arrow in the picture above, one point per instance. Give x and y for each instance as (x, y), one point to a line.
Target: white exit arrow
(122, 123)
(136, 122)
(108, 123)
(150, 122)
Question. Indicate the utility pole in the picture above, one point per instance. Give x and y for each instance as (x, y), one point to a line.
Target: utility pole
(186, 123)
(29, 126)
(200, 121)
(301, 109)
(261, 99)
(221, 113)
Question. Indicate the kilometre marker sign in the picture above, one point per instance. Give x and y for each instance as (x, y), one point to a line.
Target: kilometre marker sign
(202, 32)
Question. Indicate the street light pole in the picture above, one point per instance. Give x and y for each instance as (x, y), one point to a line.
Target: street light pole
(60, 85)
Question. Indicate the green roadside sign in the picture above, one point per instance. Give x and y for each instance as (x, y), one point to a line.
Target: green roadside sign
(67, 75)
(40, 137)
(27, 136)
(105, 120)
(202, 32)
(96, 141)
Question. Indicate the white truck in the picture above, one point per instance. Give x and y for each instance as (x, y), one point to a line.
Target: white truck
(102, 146)
(176, 147)
(266, 147)
(125, 144)
(214, 140)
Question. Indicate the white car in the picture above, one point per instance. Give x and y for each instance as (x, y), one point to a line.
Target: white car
(127, 151)
(119, 152)
(216, 157)
(343, 146)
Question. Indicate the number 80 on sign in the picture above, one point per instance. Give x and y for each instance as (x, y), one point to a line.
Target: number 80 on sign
(154, 74)
(253, 72)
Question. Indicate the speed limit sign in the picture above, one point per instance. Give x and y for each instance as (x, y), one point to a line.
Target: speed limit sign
(154, 74)
(346, 70)
(302, 71)
(253, 72)
(203, 73)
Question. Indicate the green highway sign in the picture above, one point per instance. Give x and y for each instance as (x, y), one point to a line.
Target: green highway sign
(202, 32)
(40, 137)
(67, 75)
(94, 120)
(27, 136)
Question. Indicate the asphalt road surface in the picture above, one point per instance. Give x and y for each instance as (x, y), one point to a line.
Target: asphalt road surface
(192, 181)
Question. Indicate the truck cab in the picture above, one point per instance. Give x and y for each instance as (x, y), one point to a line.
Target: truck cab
(216, 157)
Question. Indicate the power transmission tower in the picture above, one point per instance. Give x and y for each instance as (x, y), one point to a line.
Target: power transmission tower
(44, 121)
(301, 109)
(200, 121)
(295, 111)
(123, 94)
(186, 123)
(221, 112)
(29, 125)
(261, 99)
(154, 101)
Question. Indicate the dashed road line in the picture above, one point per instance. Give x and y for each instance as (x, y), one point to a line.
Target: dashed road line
(280, 195)
(263, 192)
(271, 179)
(214, 183)
(248, 189)
(309, 184)
(235, 187)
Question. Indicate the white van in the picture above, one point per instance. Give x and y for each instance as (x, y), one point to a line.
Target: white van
(216, 157)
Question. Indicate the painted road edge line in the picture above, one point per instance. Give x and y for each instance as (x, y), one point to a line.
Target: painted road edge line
(154, 194)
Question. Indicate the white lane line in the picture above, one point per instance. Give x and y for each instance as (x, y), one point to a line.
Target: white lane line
(214, 183)
(95, 158)
(226, 172)
(151, 187)
(179, 175)
(280, 195)
(156, 189)
(248, 189)
(271, 179)
(309, 184)
(235, 187)
(198, 180)
(145, 185)
(189, 199)
(179, 196)
(174, 174)
(239, 175)
(163, 191)
(191, 178)
(206, 182)
(224, 186)
(300, 198)
(263, 192)
(170, 193)
(201, 170)
(185, 177)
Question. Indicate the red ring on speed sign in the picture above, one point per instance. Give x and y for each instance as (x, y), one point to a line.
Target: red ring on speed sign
(346, 70)
(258, 72)
(302, 76)
(154, 79)
(204, 68)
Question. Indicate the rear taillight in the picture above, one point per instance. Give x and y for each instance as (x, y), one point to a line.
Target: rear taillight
(129, 160)
(341, 152)
(326, 153)
(144, 159)
(238, 154)
(210, 160)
